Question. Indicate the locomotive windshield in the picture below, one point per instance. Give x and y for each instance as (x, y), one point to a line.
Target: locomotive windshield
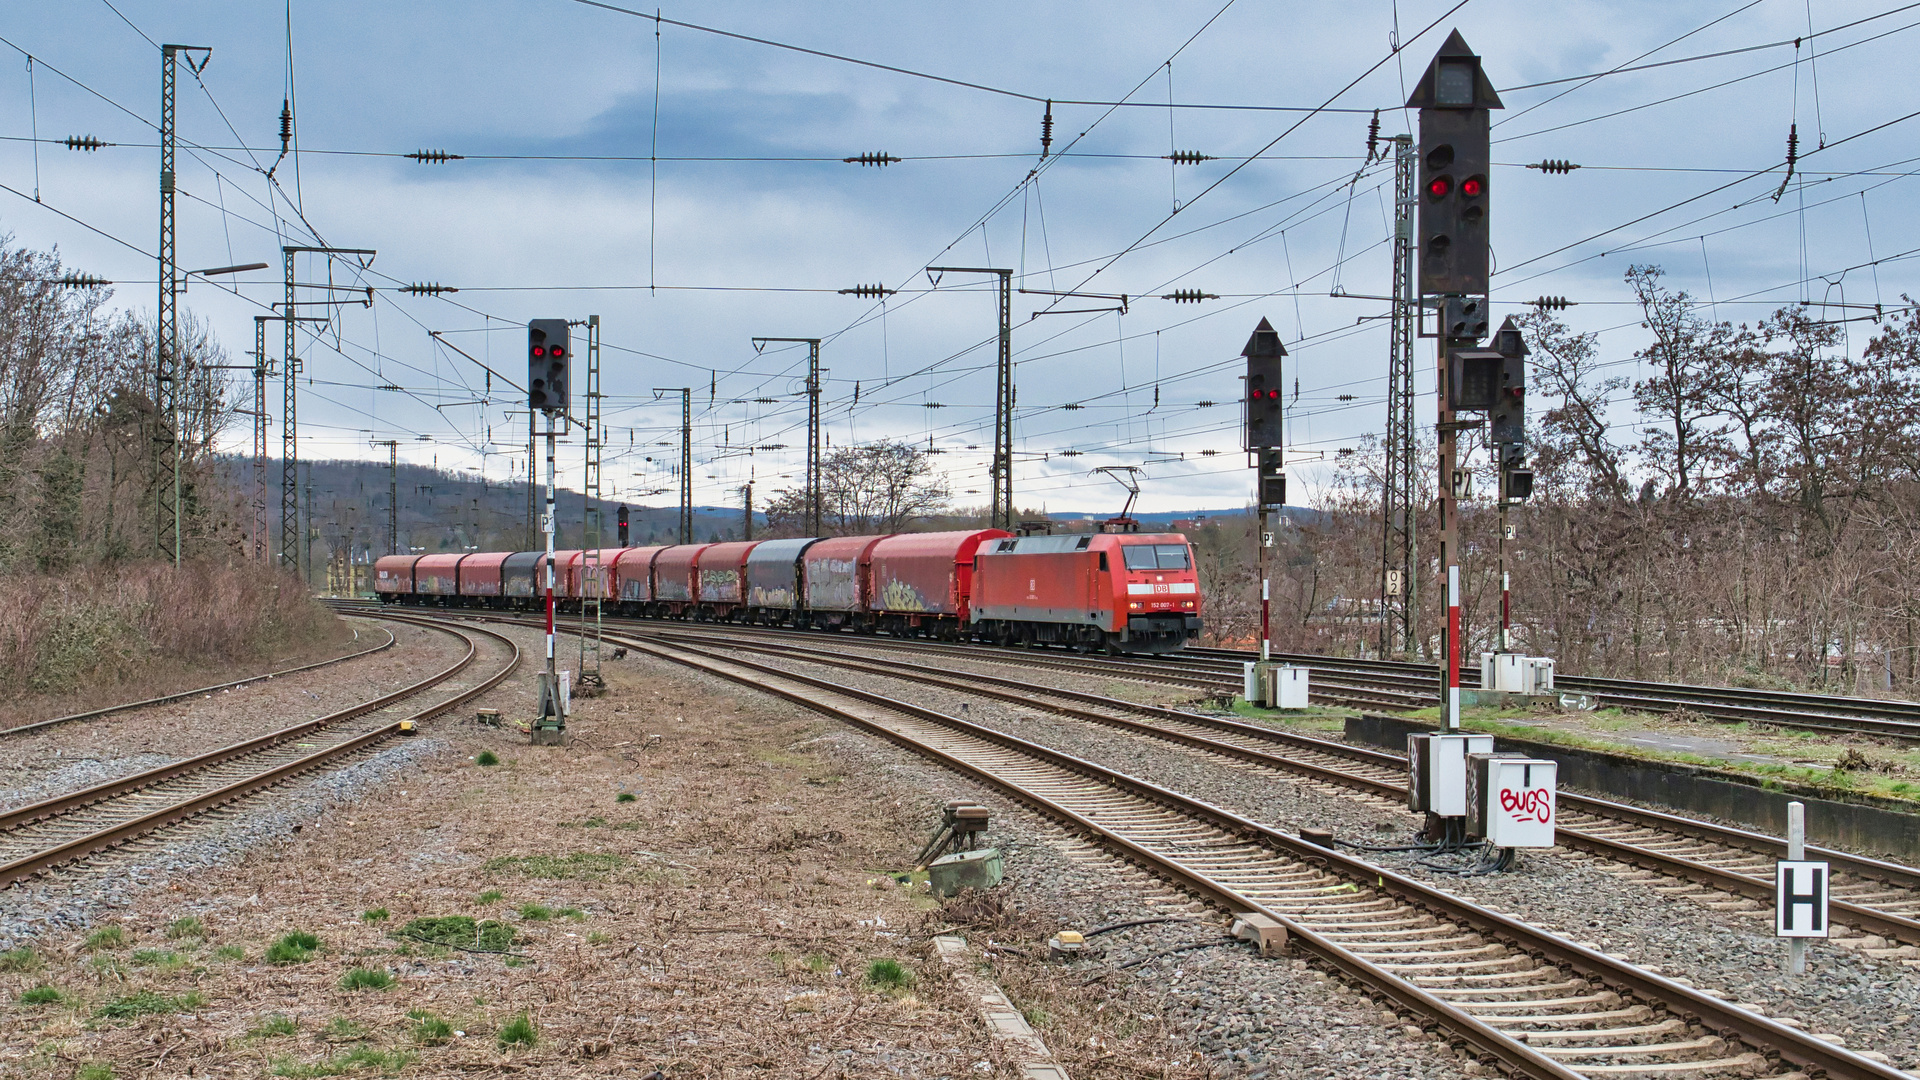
(1155, 556)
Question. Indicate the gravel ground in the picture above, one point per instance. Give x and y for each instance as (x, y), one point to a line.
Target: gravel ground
(1870, 1003)
(722, 921)
(94, 751)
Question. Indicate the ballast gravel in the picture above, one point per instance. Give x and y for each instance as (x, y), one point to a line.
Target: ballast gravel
(1869, 1004)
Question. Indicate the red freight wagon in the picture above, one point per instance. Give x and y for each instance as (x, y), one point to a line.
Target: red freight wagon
(722, 573)
(1119, 591)
(574, 573)
(922, 580)
(438, 575)
(673, 581)
(393, 576)
(633, 575)
(480, 574)
(837, 578)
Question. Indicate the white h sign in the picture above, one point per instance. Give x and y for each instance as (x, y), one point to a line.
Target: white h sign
(1800, 899)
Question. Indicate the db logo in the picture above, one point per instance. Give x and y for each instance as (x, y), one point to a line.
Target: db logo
(1533, 805)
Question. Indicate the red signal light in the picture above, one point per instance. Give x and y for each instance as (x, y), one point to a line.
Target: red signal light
(557, 352)
(1439, 186)
(539, 350)
(1473, 187)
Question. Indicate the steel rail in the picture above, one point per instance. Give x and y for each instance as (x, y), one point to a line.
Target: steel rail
(1904, 929)
(1800, 1049)
(99, 840)
(166, 699)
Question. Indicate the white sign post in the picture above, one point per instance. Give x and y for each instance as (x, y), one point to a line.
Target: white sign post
(1800, 891)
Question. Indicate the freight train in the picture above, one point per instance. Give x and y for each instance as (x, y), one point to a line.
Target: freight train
(1111, 592)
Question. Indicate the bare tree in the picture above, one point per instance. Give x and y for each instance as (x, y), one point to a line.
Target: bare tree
(880, 487)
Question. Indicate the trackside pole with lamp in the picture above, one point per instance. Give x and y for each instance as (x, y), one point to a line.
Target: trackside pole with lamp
(549, 368)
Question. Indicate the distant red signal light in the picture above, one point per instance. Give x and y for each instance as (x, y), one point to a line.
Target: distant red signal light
(557, 352)
(1473, 187)
(1439, 186)
(539, 350)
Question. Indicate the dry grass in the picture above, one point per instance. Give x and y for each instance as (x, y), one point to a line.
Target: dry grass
(98, 635)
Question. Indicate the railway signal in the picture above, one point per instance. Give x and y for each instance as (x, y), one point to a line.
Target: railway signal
(1265, 440)
(1454, 99)
(549, 364)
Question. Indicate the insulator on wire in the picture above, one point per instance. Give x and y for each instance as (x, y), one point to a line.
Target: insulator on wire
(1189, 296)
(435, 157)
(1069, 453)
(81, 281)
(1373, 136)
(1073, 406)
(870, 291)
(1046, 130)
(427, 288)
(286, 124)
(1187, 157)
(1553, 303)
(86, 142)
(1558, 166)
(1793, 158)
(878, 158)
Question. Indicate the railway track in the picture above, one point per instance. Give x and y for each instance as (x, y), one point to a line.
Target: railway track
(54, 832)
(1536, 1003)
(1780, 708)
(1870, 895)
(165, 699)
(1400, 686)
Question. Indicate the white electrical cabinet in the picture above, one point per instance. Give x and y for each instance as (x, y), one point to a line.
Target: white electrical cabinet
(1511, 799)
(1437, 771)
(1289, 686)
(1516, 674)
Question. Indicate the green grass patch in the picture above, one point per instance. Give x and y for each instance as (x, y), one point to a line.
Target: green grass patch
(460, 932)
(387, 1062)
(366, 979)
(94, 1070)
(518, 1032)
(107, 937)
(491, 896)
(148, 1003)
(890, 975)
(428, 1029)
(161, 959)
(598, 938)
(275, 1026)
(297, 947)
(229, 952)
(188, 926)
(818, 963)
(535, 912)
(342, 1028)
(580, 864)
(373, 915)
(572, 914)
(626, 796)
(42, 995)
(21, 959)
(487, 758)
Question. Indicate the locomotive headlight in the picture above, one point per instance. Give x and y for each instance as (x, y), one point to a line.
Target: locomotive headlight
(1136, 606)
(1186, 603)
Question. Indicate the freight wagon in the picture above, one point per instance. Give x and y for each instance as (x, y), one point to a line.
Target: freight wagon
(1117, 592)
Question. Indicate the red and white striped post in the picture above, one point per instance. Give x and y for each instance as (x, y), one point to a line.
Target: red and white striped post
(1452, 701)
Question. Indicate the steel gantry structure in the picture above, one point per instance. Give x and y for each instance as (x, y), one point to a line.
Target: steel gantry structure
(813, 427)
(290, 532)
(1000, 471)
(1399, 547)
(166, 330)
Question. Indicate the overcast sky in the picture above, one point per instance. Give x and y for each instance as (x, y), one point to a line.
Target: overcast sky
(749, 222)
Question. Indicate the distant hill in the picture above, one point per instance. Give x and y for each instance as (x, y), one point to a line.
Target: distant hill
(446, 510)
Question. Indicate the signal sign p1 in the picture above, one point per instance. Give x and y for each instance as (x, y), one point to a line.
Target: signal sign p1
(1800, 899)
